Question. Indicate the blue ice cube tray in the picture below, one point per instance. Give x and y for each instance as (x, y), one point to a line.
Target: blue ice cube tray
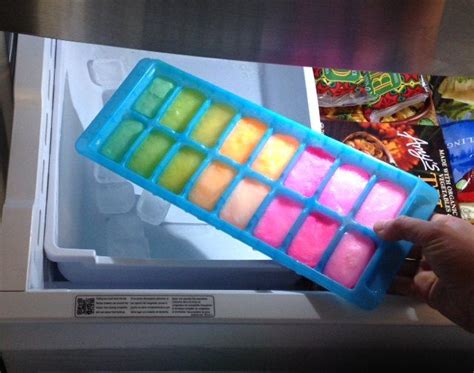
(388, 256)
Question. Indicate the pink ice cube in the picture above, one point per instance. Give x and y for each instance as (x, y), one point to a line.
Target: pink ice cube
(277, 221)
(309, 171)
(312, 239)
(349, 259)
(384, 202)
(343, 189)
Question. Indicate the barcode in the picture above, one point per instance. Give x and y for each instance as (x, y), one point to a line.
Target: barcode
(85, 306)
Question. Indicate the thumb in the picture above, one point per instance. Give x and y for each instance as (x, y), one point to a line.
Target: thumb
(405, 228)
(424, 282)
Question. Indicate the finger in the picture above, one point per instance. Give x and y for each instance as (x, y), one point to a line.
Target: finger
(405, 228)
(437, 218)
(424, 283)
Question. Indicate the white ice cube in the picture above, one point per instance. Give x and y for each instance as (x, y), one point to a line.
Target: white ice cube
(152, 209)
(104, 176)
(107, 73)
(115, 198)
(126, 237)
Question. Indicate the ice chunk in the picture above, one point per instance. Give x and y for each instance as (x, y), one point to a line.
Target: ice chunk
(182, 110)
(152, 209)
(275, 155)
(343, 189)
(350, 258)
(212, 124)
(107, 73)
(309, 171)
(211, 184)
(121, 139)
(150, 152)
(243, 139)
(151, 100)
(384, 202)
(313, 238)
(115, 198)
(104, 176)
(243, 202)
(180, 169)
(277, 221)
(126, 237)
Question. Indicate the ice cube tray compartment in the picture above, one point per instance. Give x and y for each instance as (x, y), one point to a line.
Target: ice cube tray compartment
(179, 144)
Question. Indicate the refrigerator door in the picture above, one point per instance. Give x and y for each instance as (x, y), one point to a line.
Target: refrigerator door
(424, 36)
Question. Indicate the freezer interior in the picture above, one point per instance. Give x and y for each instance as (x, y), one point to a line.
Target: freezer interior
(101, 230)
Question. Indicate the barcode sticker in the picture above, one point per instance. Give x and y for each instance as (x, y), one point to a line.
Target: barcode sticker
(144, 306)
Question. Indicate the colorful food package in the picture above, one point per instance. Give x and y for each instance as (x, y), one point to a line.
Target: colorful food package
(420, 113)
(349, 113)
(339, 87)
(392, 92)
(459, 138)
(453, 97)
(417, 149)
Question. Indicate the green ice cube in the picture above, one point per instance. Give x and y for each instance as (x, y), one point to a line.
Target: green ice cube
(214, 121)
(151, 100)
(180, 169)
(121, 139)
(161, 87)
(148, 104)
(150, 153)
(182, 109)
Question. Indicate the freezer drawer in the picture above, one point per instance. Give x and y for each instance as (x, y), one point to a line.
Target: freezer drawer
(91, 228)
(53, 244)
(97, 228)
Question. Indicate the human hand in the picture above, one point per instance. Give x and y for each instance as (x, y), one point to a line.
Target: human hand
(446, 276)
